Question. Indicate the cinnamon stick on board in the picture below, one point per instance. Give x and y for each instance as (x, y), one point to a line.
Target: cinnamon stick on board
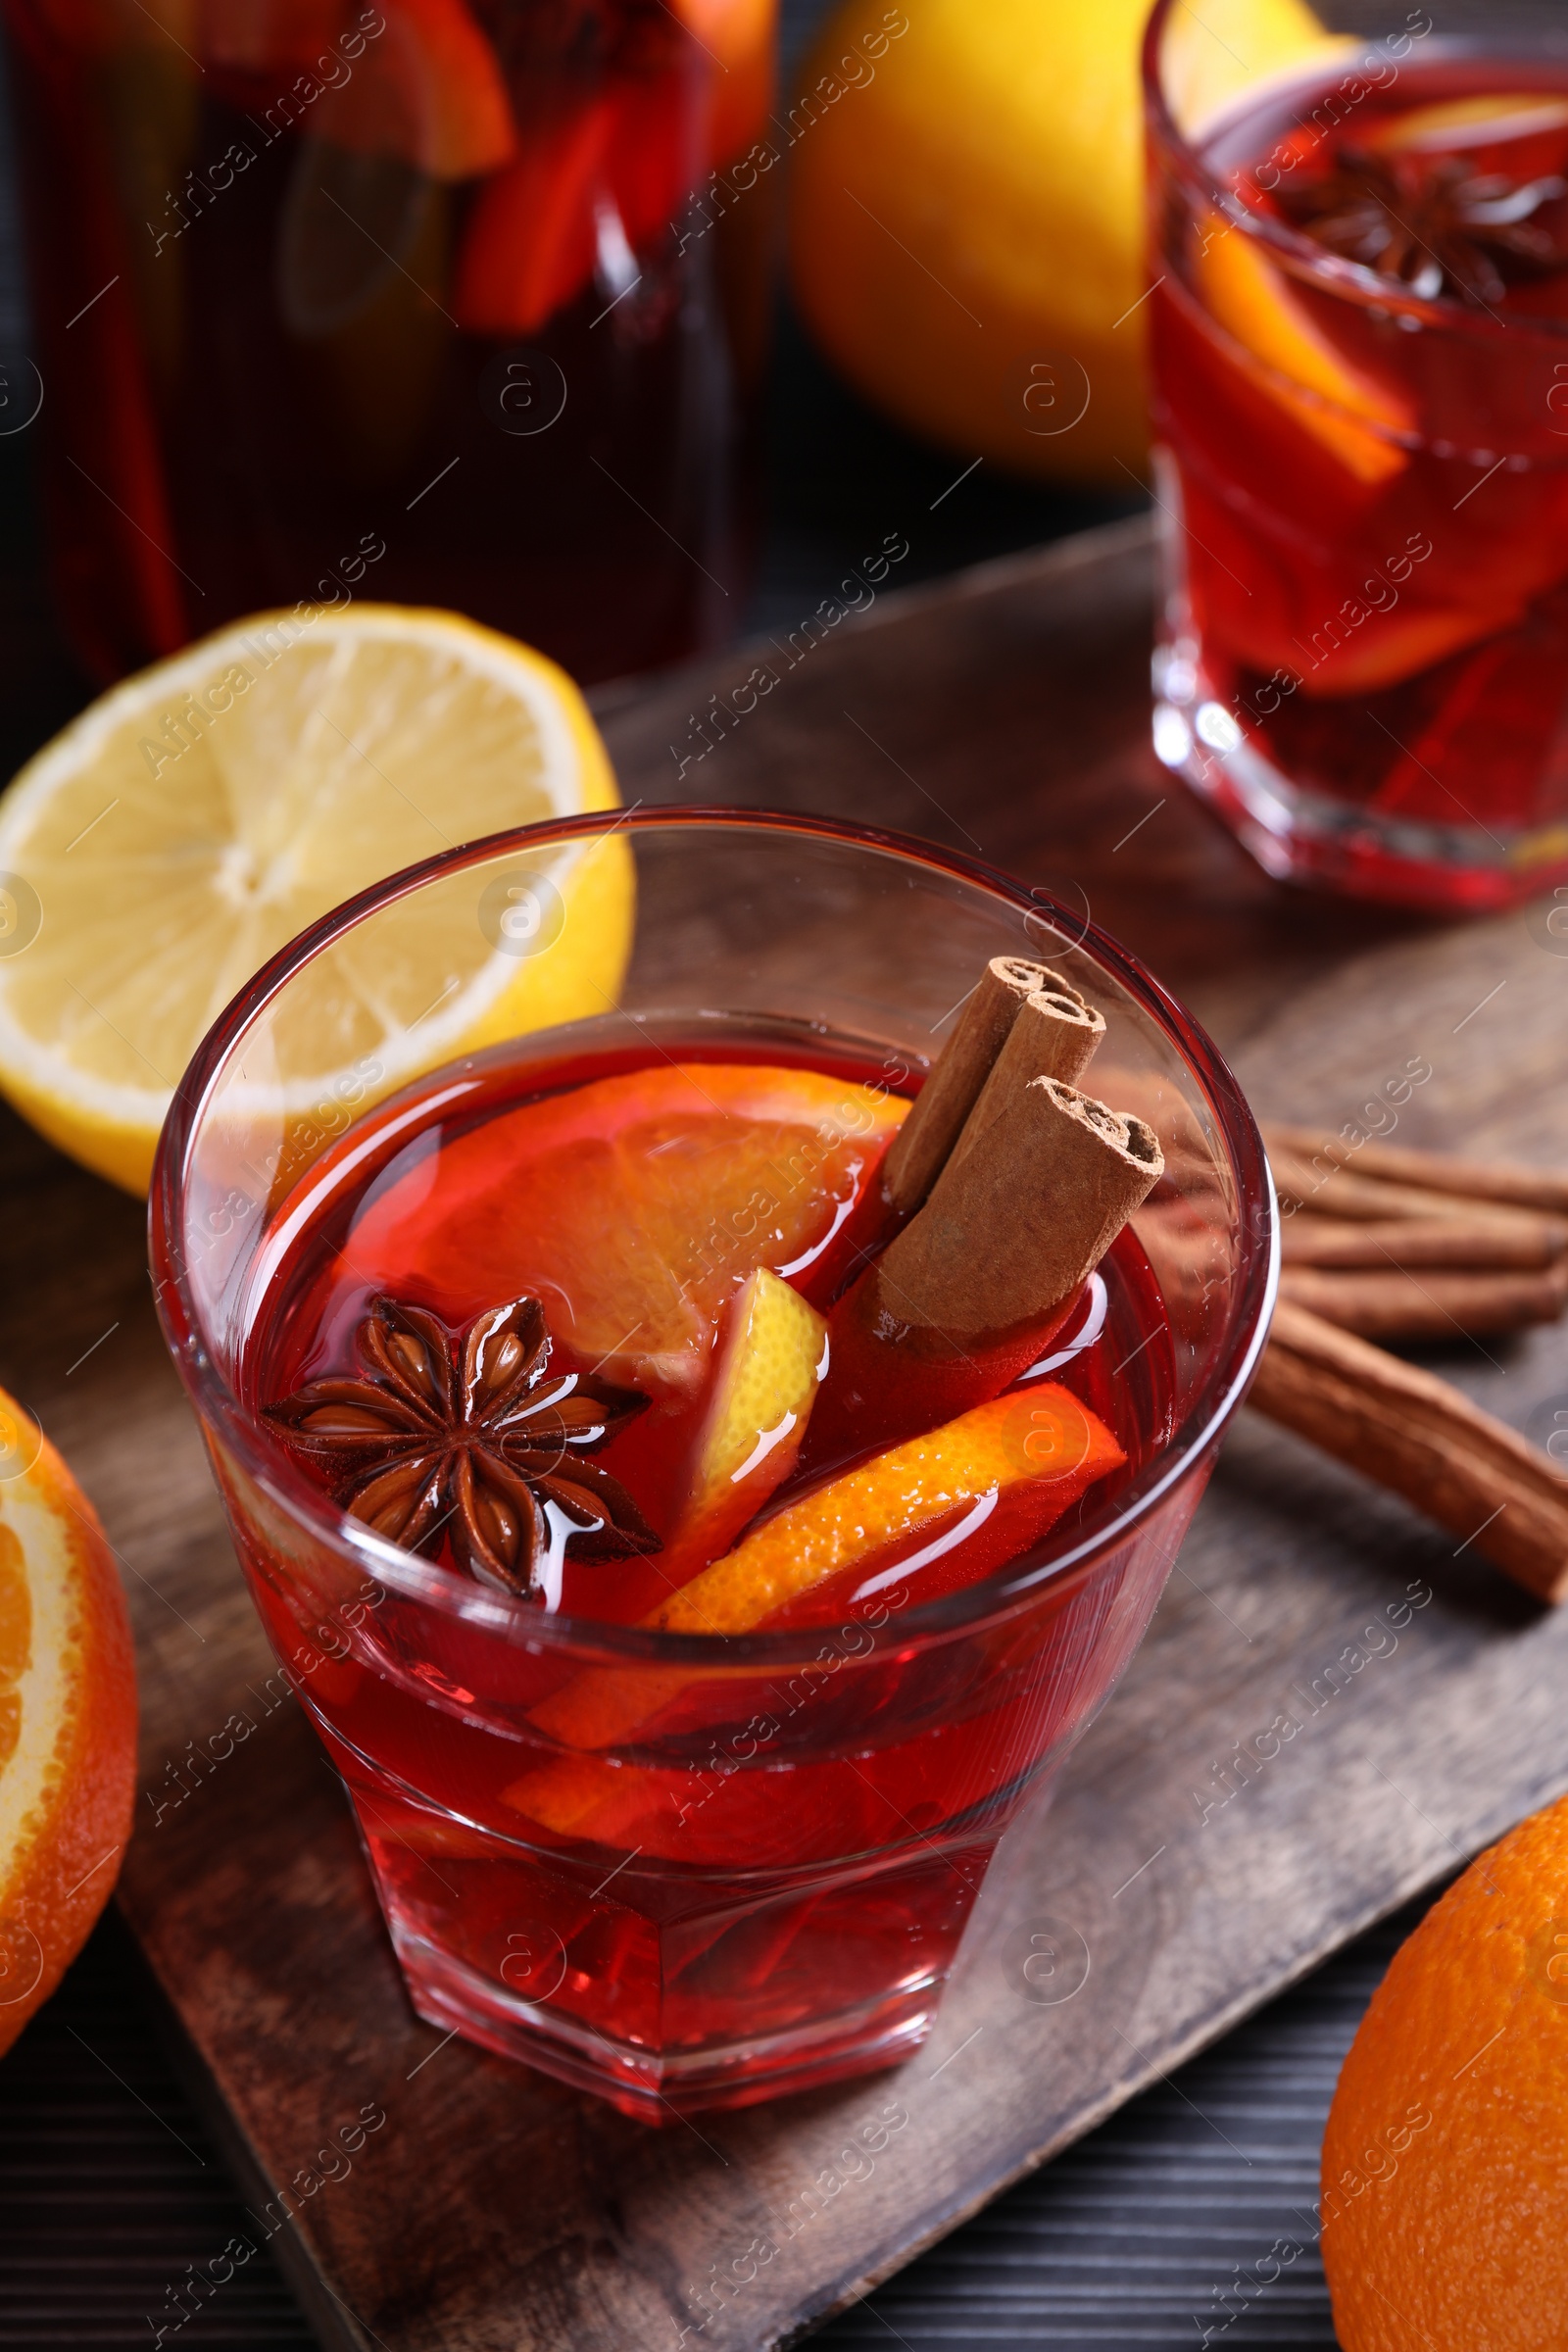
(1487, 1485)
(1346, 1193)
(1439, 1172)
(1517, 1244)
(917, 1153)
(1434, 1305)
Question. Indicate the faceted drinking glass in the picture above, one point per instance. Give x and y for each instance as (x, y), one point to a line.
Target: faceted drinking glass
(770, 1881)
(1360, 324)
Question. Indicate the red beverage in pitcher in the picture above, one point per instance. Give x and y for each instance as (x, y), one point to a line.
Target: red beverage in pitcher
(560, 1326)
(427, 302)
(1360, 333)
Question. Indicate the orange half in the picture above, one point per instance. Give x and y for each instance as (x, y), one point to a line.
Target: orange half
(68, 1721)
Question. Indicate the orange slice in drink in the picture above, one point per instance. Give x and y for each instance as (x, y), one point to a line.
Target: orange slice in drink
(947, 1507)
(1400, 645)
(1488, 119)
(1353, 418)
(635, 1206)
(774, 1359)
(1041, 1441)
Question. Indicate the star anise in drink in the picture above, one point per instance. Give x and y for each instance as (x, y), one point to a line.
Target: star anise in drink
(465, 1438)
(1440, 227)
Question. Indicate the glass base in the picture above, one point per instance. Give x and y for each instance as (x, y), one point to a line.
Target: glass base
(662, 2088)
(662, 1986)
(1299, 835)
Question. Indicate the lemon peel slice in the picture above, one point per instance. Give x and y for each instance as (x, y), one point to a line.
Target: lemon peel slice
(774, 1359)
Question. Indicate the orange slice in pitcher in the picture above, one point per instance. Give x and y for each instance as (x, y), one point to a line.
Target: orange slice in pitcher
(532, 236)
(948, 1507)
(589, 190)
(1348, 413)
(428, 90)
(607, 178)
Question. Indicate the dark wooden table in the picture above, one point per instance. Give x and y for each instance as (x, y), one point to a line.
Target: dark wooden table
(496, 2210)
(1012, 722)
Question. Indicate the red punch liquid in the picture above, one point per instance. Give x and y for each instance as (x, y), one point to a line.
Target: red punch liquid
(760, 1875)
(1367, 638)
(420, 303)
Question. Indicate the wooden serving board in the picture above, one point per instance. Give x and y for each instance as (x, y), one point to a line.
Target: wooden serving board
(1198, 1855)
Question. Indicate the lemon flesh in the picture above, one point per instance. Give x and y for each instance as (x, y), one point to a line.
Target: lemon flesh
(201, 815)
(774, 1360)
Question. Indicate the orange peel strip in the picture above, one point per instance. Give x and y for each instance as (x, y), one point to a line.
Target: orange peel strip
(1041, 1437)
(1349, 416)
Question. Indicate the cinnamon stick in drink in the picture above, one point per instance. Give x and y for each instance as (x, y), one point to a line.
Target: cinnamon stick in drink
(1040, 1183)
(1053, 1036)
(1436, 1304)
(1037, 1188)
(1487, 1485)
(920, 1149)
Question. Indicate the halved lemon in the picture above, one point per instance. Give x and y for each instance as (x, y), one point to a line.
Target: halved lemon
(192, 820)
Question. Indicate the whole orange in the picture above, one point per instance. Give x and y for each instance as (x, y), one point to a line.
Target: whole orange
(1446, 2158)
(68, 1718)
(966, 209)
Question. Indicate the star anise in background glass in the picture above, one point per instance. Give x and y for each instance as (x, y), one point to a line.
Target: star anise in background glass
(464, 1437)
(1440, 227)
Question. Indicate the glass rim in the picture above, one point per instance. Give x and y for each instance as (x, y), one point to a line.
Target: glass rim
(1008, 1587)
(1353, 281)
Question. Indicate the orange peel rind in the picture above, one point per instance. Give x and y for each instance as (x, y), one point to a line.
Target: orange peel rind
(68, 1721)
(975, 1491)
